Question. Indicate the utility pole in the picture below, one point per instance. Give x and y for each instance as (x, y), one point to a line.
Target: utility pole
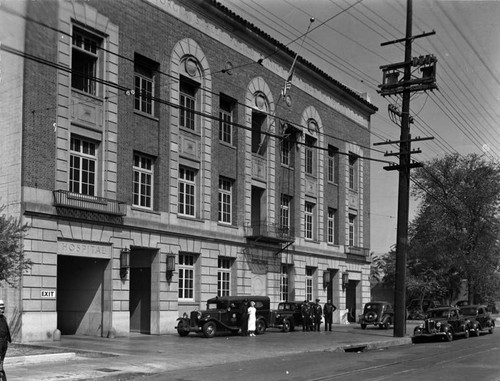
(392, 86)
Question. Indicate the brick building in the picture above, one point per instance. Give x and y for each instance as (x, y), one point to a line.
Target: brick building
(149, 146)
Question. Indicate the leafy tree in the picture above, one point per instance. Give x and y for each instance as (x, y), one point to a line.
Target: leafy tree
(12, 260)
(455, 233)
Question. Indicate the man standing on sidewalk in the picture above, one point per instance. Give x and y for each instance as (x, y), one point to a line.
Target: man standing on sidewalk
(4, 338)
(328, 313)
(306, 316)
(318, 312)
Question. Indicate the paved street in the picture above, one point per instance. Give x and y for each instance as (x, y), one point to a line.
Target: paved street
(146, 354)
(462, 359)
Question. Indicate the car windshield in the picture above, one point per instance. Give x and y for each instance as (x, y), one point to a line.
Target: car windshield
(216, 305)
(469, 310)
(437, 313)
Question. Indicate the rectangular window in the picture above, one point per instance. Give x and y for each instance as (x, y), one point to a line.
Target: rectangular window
(258, 127)
(226, 120)
(285, 152)
(309, 155)
(287, 146)
(309, 220)
(224, 276)
(84, 59)
(143, 181)
(186, 276)
(353, 172)
(332, 164)
(284, 283)
(225, 200)
(144, 70)
(331, 226)
(285, 212)
(82, 166)
(352, 230)
(188, 105)
(187, 192)
(309, 283)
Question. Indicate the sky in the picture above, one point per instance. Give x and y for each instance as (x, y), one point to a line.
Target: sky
(345, 41)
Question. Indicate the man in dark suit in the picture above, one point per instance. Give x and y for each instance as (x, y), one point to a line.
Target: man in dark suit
(318, 312)
(4, 338)
(328, 311)
(306, 316)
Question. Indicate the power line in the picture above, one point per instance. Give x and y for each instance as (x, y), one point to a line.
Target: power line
(171, 104)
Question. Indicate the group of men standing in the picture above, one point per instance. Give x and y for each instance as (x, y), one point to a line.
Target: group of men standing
(312, 313)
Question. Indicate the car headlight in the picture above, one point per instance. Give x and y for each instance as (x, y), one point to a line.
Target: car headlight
(438, 324)
(198, 315)
(278, 316)
(185, 315)
(421, 325)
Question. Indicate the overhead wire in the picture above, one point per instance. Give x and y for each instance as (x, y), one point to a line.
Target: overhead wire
(373, 87)
(125, 89)
(172, 104)
(471, 134)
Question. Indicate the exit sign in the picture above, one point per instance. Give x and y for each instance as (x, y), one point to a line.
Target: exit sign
(48, 293)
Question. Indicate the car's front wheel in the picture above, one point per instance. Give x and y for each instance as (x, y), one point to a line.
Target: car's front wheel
(466, 333)
(183, 328)
(387, 323)
(491, 329)
(448, 336)
(286, 325)
(209, 329)
(260, 327)
(363, 326)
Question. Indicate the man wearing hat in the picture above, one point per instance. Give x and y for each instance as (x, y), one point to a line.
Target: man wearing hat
(306, 316)
(4, 336)
(328, 310)
(318, 312)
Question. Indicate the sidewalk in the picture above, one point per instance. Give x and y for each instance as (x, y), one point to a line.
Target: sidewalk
(84, 357)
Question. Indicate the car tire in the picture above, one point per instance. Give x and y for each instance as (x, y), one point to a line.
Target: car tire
(477, 331)
(286, 326)
(209, 329)
(491, 329)
(371, 317)
(467, 333)
(387, 324)
(363, 326)
(449, 336)
(260, 327)
(183, 328)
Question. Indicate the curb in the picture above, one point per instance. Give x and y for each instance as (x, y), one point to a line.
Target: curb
(35, 359)
(370, 346)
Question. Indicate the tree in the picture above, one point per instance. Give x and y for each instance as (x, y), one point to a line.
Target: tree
(455, 233)
(12, 259)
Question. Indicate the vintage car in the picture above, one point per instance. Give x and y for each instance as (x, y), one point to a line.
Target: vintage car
(480, 319)
(380, 314)
(225, 314)
(288, 316)
(446, 322)
(418, 307)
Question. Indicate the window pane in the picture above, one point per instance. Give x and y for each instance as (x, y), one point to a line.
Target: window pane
(143, 179)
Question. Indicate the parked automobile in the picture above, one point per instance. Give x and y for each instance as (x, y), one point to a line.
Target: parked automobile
(227, 314)
(288, 316)
(446, 322)
(380, 314)
(480, 318)
(418, 307)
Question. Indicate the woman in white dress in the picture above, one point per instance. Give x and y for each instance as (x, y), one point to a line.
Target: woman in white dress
(251, 319)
